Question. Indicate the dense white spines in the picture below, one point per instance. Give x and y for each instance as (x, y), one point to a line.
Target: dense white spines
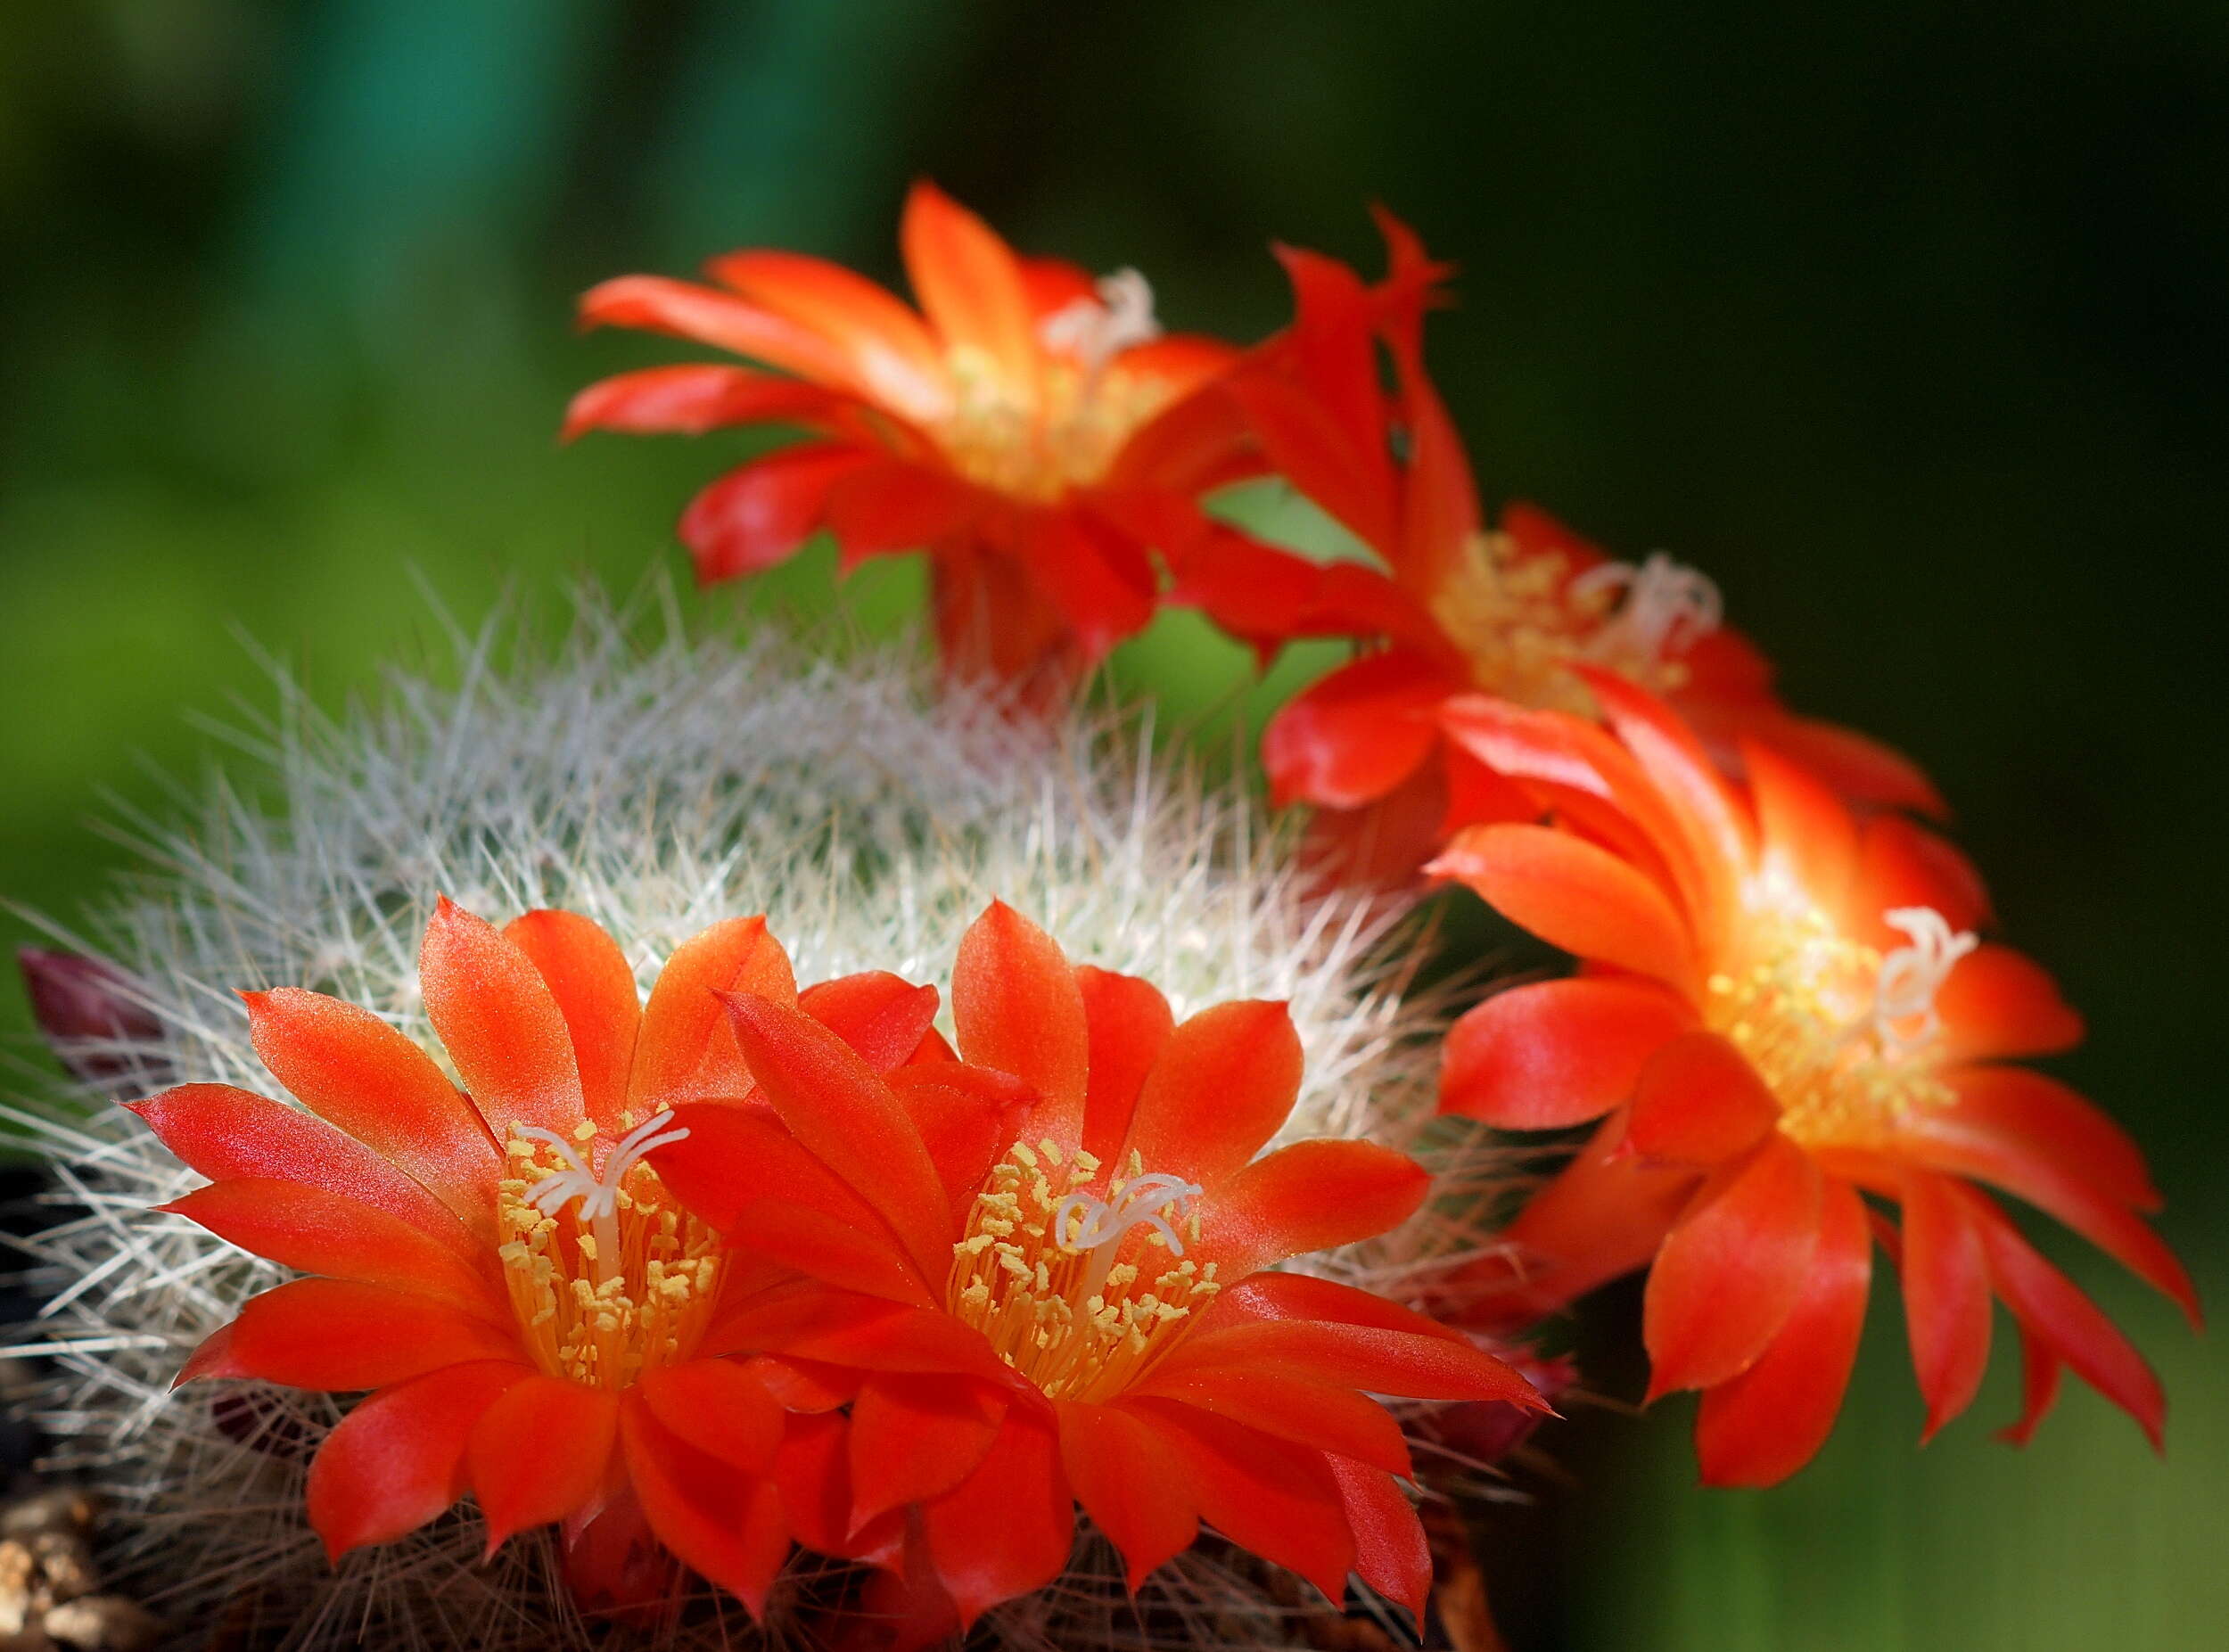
(656, 783)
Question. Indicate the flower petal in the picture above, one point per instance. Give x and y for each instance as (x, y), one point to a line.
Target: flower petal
(397, 1460)
(968, 1117)
(969, 284)
(1760, 1427)
(728, 1527)
(1129, 1482)
(1573, 895)
(1305, 1296)
(500, 1025)
(693, 397)
(892, 357)
(843, 1112)
(1127, 1026)
(1356, 735)
(916, 1435)
(1272, 1498)
(721, 1407)
(1368, 1356)
(1309, 1196)
(1699, 1102)
(1998, 1003)
(2057, 1314)
(882, 1016)
(227, 1134)
(685, 1051)
(1292, 1407)
(1101, 584)
(1556, 1053)
(1018, 1007)
(337, 1335)
(892, 505)
(1802, 825)
(2014, 1112)
(1008, 1527)
(863, 1332)
(1946, 1301)
(684, 309)
(595, 988)
(1224, 1084)
(538, 1453)
(1391, 1554)
(761, 514)
(1728, 1274)
(313, 1231)
(365, 1077)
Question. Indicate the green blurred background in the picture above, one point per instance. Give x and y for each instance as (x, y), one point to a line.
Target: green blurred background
(1907, 321)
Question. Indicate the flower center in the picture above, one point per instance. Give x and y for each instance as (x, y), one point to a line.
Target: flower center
(1041, 1273)
(1522, 623)
(1840, 1034)
(609, 1277)
(1067, 435)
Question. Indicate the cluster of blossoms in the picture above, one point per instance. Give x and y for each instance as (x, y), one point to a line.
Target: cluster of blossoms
(968, 1267)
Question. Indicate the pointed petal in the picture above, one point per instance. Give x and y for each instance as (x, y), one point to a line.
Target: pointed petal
(729, 1527)
(1279, 1295)
(2039, 1388)
(1901, 865)
(861, 1332)
(1128, 1023)
(1391, 1554)
(1355, 736)
(1996, 1003)
(1017, 1008)
(397, 1460)
(1760, 1427)
(915, 1436)
(721, 1407)
(314, 1231)
(538, 1453)
(685, 1051)
(1290, 1408)
(892, 505)
(1130, 1483)
(1557, 1052)
(1368, 1356)
(1008, 1527)
(1857, 765)
(693, 397)
(1224, 1084)
(1731, 1271)
(227, 1134)
(761, 514)
(2013, 1113)
(362, 1076)
(1101, 585)
(1946, 1299)
(969, 284)
(1574, 896)
(500, 1025)
(336, 1335)
(892, 356)
(1699, 1102)
(967, 1118)
(1309, 1196)
(2057, 1314)
(595, 988)
(882, 1016)
(1273, 1499)
(1802, 825)
(685, 310)
(842, 1111)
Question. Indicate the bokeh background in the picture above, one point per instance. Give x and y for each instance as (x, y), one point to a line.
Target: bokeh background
(1906, 320)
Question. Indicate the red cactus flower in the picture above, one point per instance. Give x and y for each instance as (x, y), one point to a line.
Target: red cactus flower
(1451, 609)
(1080, 1305)
(1033, 429)
(1780, 1008)
(537, 1318)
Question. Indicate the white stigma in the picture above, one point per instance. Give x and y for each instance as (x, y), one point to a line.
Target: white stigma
(1668, 606)
(1096, 330)
(1911, 976)
(1083, 1223)
(598, 1195)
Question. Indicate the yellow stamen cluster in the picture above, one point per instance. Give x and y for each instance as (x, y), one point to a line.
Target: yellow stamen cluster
(1073, 1318)
(1522, 624)
(1799, 1005)
(1037, 442)
(602, 1300)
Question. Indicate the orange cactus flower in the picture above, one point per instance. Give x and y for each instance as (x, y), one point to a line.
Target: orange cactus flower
(1050, 1274)
(536, 1317)
(1032, 429)
(1451, 608)
(1779, 1009)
